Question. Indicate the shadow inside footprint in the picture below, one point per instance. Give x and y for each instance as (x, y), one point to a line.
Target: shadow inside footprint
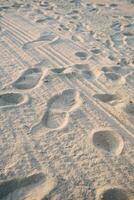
(113, 194)
(82, 55)
(108, 141)
(58, 70)
(81, 66)
(112, 76)
(11, 99)
(130, 78)
(29, 79)
(88, 75)
(45, 37)
(105, 97)
(95, 51)
(14, 184)
(129, 108)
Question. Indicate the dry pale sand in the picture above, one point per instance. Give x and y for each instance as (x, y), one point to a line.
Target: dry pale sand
(67, 100)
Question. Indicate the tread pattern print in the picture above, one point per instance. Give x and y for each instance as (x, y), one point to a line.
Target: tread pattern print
(58, 109)
(66, 100)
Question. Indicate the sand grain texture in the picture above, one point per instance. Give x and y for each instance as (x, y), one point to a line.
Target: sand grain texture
(66, 100)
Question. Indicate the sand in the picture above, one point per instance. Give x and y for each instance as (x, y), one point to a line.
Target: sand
(67, 100)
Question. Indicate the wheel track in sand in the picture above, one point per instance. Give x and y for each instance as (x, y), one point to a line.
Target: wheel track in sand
(46, 52)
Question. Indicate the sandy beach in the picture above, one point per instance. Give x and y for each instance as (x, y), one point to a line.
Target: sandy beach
(67, 100)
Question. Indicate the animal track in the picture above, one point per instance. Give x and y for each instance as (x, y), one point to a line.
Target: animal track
(105, 97)
(29, 79)
(12, 99)
(108, 141)
(113, 193)
(82, 55)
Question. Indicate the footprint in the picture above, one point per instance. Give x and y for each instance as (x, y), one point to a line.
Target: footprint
(67, 101)
(101, 4)
(121, 70)
(95, 51)
(105, 69)
(55, 120)
(63, 27)
(116, 26)
(114, 193)
(108, 141)
(2, 7)
(15, 184)
(81, 66)
(91, 7)
(58, 108)
(17, 5)
(82, 55)
(129, 108)
(112, 76)
(105, 97)
(117, 39)
(58, 70)
(130, 78)
(113, 5)
(88, 75)
(29, 79)
(45, 37)
(128, 33)
(12, 99)
(130, 41)
(42, 19)
(33, 187)
(44, 4)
